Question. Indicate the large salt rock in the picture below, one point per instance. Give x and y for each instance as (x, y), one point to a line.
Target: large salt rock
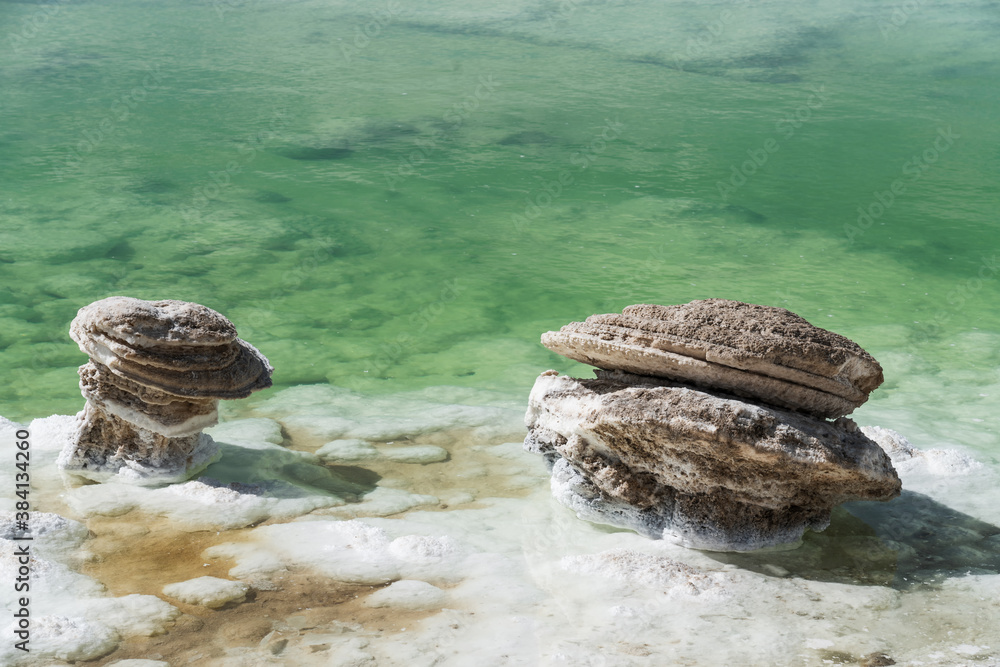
(707, 471)
(764, 353)
(156, 374)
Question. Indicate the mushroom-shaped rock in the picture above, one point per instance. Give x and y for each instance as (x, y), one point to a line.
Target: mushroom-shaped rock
(157, 371)
(705, 470)
(707, 424)
(758, 352)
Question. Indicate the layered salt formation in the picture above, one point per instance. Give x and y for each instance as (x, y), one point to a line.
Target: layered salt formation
(740, 456)
(156, 373)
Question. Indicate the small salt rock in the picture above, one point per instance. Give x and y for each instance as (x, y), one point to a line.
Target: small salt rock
(407, 594)
(255, 428)
(876, 659)
(210, 592)
(347, 450)
(416, 454)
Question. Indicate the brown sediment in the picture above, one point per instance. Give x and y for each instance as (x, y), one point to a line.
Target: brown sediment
(141, 554)
(137, 553)
(304, 602)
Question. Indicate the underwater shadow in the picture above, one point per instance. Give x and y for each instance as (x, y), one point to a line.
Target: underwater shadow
(277, 472)
(909, 542)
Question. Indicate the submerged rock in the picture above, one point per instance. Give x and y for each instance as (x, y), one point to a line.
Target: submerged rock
(697, 464)
(156, 373)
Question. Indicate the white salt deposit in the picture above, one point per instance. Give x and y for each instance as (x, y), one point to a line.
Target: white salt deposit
(909, 460)
(73, 618)
(210, 592)
(409, 594)
(351, 450)
(383, 501)
(253, 429)
(61, 638)
(565, 592)
(417, 454)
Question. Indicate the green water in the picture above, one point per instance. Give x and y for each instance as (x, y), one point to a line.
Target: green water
(413, 206)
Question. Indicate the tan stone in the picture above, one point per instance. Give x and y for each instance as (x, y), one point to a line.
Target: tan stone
(157, 371)
(760, 352)
(706, 470)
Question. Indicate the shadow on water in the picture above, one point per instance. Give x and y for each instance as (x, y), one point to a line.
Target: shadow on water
(908, 542)
(273, 471)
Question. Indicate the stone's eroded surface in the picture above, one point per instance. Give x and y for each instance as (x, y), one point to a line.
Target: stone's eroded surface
(760, 352)
(707, 471)
(180, 348)
(157, 371)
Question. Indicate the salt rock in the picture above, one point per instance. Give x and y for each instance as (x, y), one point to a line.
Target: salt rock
(759, 352)
(704, 470)
(210, 592)
(156, 373)
(409, 594)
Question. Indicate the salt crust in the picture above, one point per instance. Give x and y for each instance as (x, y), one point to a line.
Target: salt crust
(564, 590)
(568, 591)
(254, 480)
(908, 459)
(253, 428)
(211, 592)
(138, 662)
(354, 449)
(383, 501)
(350, 450)
(409, 594)
(72, 617)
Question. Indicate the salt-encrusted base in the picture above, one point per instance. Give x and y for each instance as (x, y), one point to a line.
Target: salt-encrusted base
(670, 522)
(88, 453)
(707, 471)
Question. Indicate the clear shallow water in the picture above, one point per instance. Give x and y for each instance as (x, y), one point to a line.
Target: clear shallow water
(411, 209)
(364, 233)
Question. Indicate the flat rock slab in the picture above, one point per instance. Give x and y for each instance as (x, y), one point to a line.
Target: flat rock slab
(177, 347)
(760, 352)
(707, 471)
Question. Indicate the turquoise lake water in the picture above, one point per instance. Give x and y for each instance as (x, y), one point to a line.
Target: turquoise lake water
(399, 195)
(392, 200)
